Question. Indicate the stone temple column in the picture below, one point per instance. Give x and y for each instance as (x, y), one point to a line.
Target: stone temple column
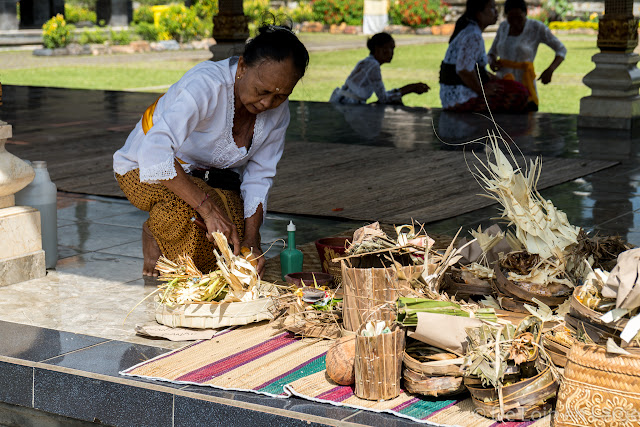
(117, 13)
(614, 102)
(230, 29)
(8, 15)
(21, 254)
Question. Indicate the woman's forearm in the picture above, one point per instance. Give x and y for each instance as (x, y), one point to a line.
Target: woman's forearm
(556, 62)
(252, 226)
(471, 80)
(184, 188)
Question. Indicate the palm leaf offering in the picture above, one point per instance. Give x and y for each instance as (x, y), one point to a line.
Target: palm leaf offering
(235, 280)
(507, 373)
(540, 227)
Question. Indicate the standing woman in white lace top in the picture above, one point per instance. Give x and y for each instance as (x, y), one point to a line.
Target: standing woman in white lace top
(464, 80)
(209, 148)
(516, 44)
(366, 78)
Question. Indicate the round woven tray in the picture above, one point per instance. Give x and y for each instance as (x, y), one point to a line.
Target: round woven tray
(448, 367)
(599, 388)
(434, 386)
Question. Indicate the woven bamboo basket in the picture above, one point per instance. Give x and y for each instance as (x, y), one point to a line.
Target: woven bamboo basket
(599, 388)
(211, 315)
(436, 368)
(553, 295)
(426, 385)
(366, 289)
(527, 399)
(378, 364)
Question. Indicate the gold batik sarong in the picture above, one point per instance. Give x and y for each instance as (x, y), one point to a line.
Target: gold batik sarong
(170, 216)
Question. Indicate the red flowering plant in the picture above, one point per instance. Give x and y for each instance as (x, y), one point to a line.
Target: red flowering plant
(418, 13)
(338, 11)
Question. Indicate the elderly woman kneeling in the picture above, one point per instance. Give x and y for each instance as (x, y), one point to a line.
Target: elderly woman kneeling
(209, 148)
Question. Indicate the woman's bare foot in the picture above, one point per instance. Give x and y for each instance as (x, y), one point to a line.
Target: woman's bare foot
(150, 251)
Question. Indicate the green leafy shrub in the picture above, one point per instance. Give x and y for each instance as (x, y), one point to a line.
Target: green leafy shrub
(92, 37)
(557, 10)
(205, 9)
(154, 2)
(120, 37)
(418, 13)
(257, 9)
(56, 32)
(181, 24)
(143, 14)
(74, 14)
(539, 14)
(338, 11)
(147, 31)
(572, 25)
(302, 12)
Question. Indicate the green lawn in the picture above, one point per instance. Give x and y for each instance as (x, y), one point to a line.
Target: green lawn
(327, 70)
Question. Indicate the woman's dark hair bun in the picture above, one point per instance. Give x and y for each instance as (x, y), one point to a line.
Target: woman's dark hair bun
(276, 42)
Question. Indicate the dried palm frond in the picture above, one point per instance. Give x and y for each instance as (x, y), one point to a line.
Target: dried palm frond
(237, 270)
(603, 251)
(540, 227)
(186, 284)
(236, 278)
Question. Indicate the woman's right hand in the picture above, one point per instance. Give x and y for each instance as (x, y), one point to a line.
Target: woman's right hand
(217, 220)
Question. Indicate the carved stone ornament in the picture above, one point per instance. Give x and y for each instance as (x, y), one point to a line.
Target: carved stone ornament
(230, 28)
(618, 33)
(15, 174)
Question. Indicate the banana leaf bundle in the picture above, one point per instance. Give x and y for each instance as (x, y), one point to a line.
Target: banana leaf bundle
(408, 309)
(509, 378)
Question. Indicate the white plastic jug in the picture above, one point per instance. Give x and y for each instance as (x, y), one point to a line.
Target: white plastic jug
(41, 194)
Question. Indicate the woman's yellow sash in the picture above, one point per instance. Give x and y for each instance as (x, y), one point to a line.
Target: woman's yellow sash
(528, 76)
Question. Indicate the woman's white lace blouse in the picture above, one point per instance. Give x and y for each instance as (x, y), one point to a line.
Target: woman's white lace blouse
(193, 122)
(524, 46)
(464, 51)
(364, 80)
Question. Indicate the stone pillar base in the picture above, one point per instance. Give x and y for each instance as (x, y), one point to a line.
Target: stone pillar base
(23, 259)
(22, 268)
(614, 102)
(224, 50)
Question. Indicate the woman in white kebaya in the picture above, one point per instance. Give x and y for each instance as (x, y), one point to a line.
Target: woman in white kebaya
(516, 44)
(209, 148)
(366, 78)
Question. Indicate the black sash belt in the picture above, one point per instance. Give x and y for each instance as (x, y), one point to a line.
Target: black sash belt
(224, 179)
(449, 76)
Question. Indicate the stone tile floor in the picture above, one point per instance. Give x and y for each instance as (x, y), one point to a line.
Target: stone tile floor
(80, 317)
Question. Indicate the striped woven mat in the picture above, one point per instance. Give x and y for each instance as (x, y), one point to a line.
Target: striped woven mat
(260, 359)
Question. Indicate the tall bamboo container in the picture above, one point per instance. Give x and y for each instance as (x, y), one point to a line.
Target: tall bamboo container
(378, 364)
(369, 285)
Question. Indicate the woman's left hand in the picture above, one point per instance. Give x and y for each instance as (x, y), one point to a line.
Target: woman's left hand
(256, 254)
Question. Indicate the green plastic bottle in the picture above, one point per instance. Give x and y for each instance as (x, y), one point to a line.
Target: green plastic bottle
(291, 258)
